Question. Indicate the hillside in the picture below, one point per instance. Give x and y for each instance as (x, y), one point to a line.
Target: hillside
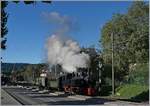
(8, 67)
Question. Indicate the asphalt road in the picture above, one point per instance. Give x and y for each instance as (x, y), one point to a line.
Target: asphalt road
(28, 97)
(6, 99)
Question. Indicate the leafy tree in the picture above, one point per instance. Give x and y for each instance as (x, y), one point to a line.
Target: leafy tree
(131, 37)
(4, 29)
(32, 71)
(139, 74)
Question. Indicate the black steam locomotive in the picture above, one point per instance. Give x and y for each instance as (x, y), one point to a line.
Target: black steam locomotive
(74, 83)
(83, 81)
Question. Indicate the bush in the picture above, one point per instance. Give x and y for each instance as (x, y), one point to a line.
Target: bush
(139, 74)
(144, 96)
(133, 92)
(106, 90)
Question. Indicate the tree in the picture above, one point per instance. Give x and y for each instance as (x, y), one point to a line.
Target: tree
(4, 29)
(4, 18)
(131, 37)
(31, 71)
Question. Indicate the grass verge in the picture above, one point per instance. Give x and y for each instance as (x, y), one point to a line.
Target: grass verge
(133, 92)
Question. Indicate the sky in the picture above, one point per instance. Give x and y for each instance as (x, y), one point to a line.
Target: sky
(29, 29)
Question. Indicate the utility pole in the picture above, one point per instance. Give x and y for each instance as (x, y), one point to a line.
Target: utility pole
(113, 83)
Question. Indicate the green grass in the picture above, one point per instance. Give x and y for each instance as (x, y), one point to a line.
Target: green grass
(137, 86)
(130, 91)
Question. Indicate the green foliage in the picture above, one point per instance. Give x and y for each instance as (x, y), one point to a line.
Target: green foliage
(33, 71)
(29, 72)
(144, 96)
(106, 78)
(106, 90)
(8, 67)
(139, 74)
(4, 29)
(107, 75)
(131, 38)
(133, 92)
(31, 2)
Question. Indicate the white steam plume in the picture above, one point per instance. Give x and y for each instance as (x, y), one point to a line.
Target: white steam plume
(64, 51)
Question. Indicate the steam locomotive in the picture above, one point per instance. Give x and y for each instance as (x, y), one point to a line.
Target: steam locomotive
(73, 83)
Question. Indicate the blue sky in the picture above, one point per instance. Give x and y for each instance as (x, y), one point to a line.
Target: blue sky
(28, 29)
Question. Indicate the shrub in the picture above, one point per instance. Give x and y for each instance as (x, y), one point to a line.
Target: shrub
(133, 92)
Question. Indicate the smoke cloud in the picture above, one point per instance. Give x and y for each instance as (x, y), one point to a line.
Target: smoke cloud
(62, 50)
(63, 23)
(66, 53)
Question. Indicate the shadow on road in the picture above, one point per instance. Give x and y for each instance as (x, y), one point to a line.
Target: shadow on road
(90, 101)
(47, 96)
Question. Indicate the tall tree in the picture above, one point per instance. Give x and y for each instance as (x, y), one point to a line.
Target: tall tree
(131, 37)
